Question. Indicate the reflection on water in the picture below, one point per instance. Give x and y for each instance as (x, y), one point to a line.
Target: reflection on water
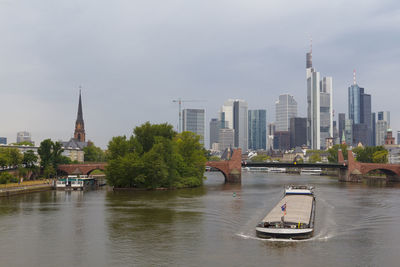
(356, 224)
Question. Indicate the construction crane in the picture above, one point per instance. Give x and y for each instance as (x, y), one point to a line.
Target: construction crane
(180, 101)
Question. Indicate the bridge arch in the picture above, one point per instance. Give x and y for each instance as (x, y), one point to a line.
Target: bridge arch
(390, 174)
(220, 170)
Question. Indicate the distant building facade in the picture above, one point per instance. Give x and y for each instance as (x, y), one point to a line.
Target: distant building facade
(298, 132)
(285, 109)
(234, 115)
(257, 129)
(319, 107)
(215, 125)
(24, 137)
(193, 120)
(226, 138)
(360, 113)
(3, 140)
(282, 140)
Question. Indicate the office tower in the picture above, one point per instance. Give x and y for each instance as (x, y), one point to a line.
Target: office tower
(360, 134)
(24, 137)
(398, 137)
(3, 140)
(319, 110)
(381, 131)
(215, 125)
(193, 120)
(234, 115)
(226, 138)
(342, 119)
(373, 131)
(382, 125)
(257, 129)
(285, 108)
(360, 113)
(348, 132)
(282, 140)
(384, 116)
(298, 132)
(270, 133)
(326, 112)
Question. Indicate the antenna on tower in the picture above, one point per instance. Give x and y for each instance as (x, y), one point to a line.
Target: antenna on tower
(310, 44)
(354, 77)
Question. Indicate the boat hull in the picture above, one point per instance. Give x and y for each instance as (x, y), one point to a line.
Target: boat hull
(284, 233)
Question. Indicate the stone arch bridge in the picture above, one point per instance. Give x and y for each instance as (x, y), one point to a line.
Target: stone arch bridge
(356, 170)
(84, 169)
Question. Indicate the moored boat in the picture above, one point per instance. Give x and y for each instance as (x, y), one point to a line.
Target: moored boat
(293, 217)
(311, 171)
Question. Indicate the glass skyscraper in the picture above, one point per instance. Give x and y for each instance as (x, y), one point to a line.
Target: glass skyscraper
(194, 121)
(360, 113)
(257, 129)
(234, 115)
(285, 109)
(319, 110)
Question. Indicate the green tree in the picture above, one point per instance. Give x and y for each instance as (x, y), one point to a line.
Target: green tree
(155, 156)
(15, 157)
(315, 157)
(4, 159)
(45, 153)
(146, 133)
(93, 153)
(29, 159)
(380, 156)
(333, 152)
(366, 154)
(260, 158)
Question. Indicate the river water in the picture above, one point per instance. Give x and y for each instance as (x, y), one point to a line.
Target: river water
(356, 225)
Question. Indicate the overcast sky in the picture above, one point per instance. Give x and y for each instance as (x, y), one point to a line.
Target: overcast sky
(132, 58)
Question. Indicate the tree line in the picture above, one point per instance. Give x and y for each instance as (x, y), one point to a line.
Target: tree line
(156, 156)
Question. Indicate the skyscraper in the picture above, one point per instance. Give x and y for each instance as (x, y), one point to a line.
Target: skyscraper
(398, 137)
(24, 137)
(319, 111)
(360, 113)
(326, 112)
(234, 115)
(215, 125)
(382, 126)
(193, 120)
(285, 109)
(270, 134)
(298, 132)
(79, 133)
(348, 132)
(257, 129)
(226, 138)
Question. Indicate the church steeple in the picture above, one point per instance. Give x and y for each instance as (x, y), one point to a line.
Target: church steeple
(79, 134)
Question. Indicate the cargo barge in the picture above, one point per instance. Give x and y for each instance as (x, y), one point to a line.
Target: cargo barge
(293, 217)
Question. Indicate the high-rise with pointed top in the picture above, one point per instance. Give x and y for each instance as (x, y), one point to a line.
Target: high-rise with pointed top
(79, 133)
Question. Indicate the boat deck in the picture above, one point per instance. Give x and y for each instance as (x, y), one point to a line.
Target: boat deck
(298, 210)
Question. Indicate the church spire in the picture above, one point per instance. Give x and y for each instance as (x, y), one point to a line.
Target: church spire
(79, 134)
(80, 113)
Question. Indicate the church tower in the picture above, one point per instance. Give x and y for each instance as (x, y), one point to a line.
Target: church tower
(79, 134)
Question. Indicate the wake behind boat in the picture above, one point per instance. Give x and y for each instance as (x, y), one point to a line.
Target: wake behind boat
(293, 217)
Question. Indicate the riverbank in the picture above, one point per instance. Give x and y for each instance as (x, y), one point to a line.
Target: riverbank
(25, 187)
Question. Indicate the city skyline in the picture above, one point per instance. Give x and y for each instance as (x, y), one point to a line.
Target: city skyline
(131, 64)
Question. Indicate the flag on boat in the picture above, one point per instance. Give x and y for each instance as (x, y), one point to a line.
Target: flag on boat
(283, 207)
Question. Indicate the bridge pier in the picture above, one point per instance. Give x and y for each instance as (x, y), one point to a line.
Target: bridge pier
(231, 169)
